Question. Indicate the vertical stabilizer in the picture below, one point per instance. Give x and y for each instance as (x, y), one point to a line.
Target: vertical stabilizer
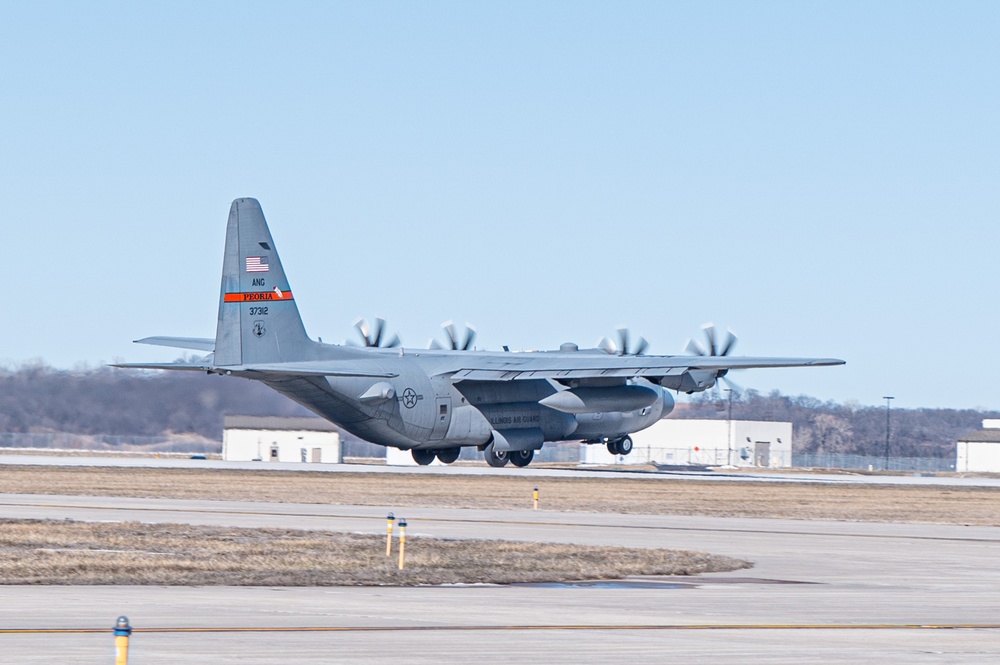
(259, 321)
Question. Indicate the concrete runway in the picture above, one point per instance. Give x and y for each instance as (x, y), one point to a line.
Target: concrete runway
(820, 592)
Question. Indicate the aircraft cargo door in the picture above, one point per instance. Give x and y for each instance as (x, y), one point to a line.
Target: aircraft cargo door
(442, 418)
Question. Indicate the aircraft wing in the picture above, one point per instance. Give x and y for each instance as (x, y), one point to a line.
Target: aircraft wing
(316, 368)
(520, 366)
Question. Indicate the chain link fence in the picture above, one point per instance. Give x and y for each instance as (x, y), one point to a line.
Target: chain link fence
(567, 453)
(871, 463)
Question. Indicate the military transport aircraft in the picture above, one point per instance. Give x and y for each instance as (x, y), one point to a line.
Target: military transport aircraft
(435, 401)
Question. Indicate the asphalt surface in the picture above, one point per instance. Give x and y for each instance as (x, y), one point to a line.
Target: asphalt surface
(819, 592)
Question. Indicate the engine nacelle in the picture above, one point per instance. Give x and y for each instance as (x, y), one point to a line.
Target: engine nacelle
(692, 381)
(668, 403)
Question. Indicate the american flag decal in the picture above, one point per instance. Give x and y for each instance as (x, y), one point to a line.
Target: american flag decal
(257, 264)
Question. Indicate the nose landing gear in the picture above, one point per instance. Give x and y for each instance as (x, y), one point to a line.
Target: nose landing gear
(448, 455)
(622, 446)
(422, 457)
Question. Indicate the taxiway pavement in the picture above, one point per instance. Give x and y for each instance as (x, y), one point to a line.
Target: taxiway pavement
(830, 592)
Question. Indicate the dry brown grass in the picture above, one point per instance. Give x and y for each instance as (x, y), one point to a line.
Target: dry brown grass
(661, 495)
(68, 552)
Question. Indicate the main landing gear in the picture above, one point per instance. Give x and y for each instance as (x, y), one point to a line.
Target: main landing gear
(499, 459)
(424, 457)
(521, 457)
(496, 458)
(622, 446)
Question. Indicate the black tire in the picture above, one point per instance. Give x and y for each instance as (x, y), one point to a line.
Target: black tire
(625, 445)
(494, 458)
(613, 447)
(448, 455)
(521, 457)
(422, 457)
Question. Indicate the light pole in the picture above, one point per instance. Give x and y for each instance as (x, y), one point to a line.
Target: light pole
(729, 428)
(888, 401)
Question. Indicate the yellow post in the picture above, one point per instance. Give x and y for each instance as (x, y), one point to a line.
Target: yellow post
(122, 632)
(402, 542)
(388, 537)
(536, 498)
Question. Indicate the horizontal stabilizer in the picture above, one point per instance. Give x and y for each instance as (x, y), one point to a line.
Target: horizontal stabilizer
(191, 367)
(196, 343)
(277, 369)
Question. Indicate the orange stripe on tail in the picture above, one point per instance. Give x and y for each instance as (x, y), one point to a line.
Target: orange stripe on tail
(258, 296)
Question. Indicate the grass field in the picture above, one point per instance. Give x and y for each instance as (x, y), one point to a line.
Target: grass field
(68, 552)
(656, 495)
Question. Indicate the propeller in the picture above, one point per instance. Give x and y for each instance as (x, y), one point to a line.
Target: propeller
(453, 342)
(374, 336)
(716, 348)
(623, 348)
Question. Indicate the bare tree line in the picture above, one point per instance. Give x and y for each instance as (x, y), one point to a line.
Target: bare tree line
(850, 428)
(38, 398)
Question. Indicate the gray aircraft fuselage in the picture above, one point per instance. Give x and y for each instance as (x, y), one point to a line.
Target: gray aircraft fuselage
(422, 408)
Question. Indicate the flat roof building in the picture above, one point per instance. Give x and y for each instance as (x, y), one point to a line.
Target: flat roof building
(979, 450)
(280, 439)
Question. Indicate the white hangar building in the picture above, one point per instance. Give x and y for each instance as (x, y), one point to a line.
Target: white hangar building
(280, 439)
(741, 443)
(980, 450)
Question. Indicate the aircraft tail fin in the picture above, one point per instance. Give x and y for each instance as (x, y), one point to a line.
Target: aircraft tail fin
(259, 321)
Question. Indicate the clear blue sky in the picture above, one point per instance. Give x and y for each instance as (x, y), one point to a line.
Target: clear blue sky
(824, 178)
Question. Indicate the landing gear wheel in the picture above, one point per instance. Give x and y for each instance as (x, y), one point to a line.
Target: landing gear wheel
(422, 457)
(625, 445)
(613, 447)
(521, 457)
(448, 455)
(495, 458)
